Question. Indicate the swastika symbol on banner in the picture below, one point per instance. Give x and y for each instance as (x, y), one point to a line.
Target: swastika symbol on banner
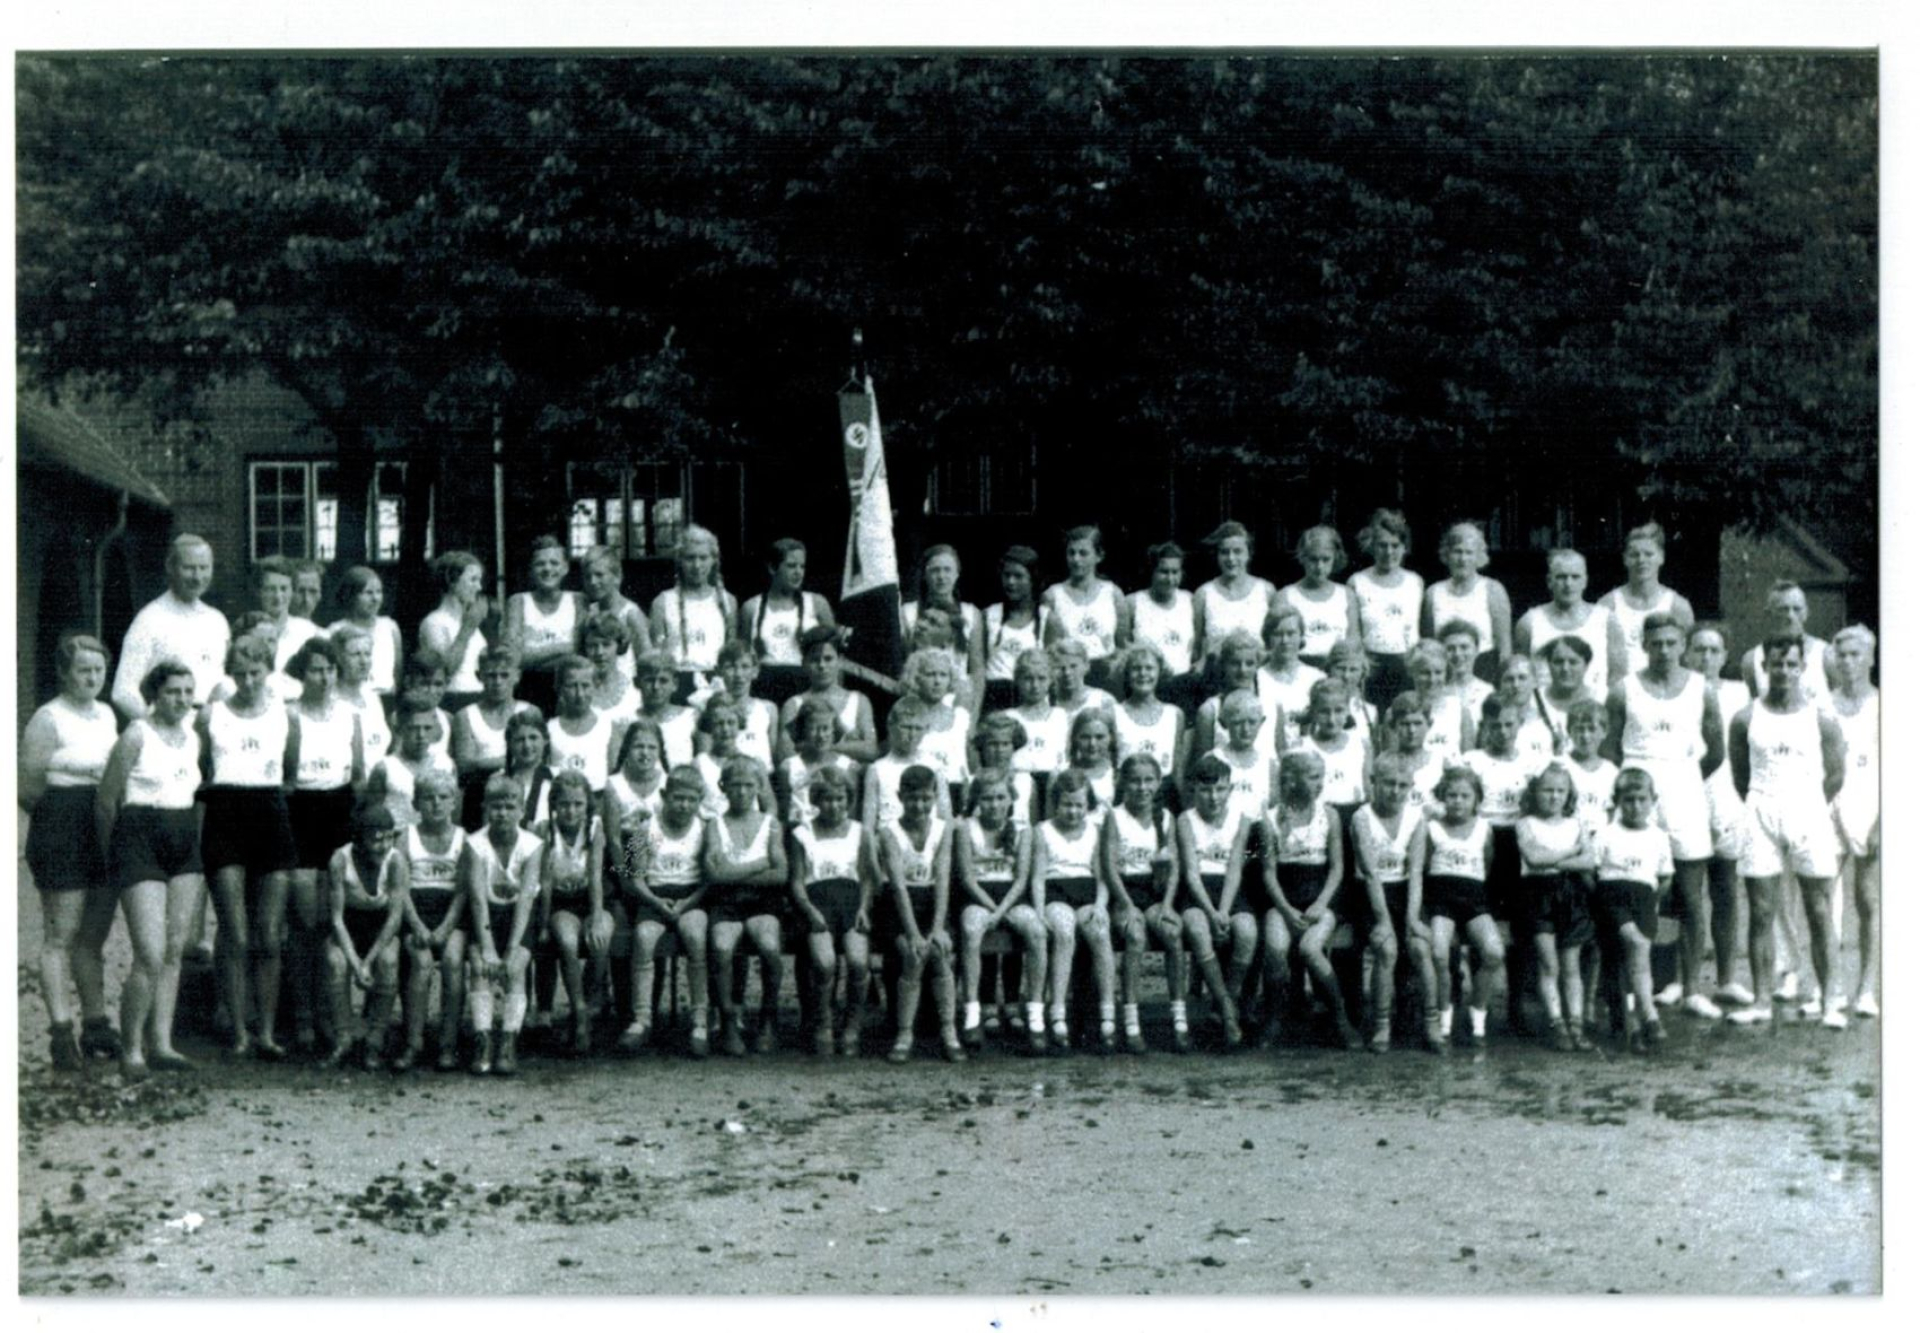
(857, 435)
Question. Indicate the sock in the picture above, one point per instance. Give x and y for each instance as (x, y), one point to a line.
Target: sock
(973, 1014)
(516, 1013)
(1036, 1016)
(1130, 1016)
(1446, 1019)
(1477, 1017)
(1179, 1014)
(480, 1001)
(1057, 1015)
(1106, 1017)
(700, 1022)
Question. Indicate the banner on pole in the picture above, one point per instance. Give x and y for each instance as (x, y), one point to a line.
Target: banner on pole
(870, 580)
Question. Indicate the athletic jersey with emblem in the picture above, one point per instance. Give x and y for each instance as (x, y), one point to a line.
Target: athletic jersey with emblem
(1222, 615)
(542, 631)
(1464, 855)
(566, 859)
(757, 842)
(1168, 630)
(500, 877)
(914, 865)
(1474, 606)
(376, 734)
(1389, 614)
(247, 751)
(1504, 782)
(585, 754)
(777, 631)
(1785, 768)
(696, 626)
(1632, 855)
(1006, 642)
(1633, 622)
(1301, 844)
(1325, 621)
(1593, 792)
(82, 742)
(1092, 624)
(1136, 842)
(1346, 769)
(1663, 731)
(1385, 850)
(1070, 857)
(1155, 738)
(1250, 782)
(401, 778)
(673, 859)
(1544, 843)
(830, 857)
(944, 749)
(1046, 747)
(163, 776)
(1542, 631)
(489, 741)
(1212, 843)
(326, 749)
(431, 873)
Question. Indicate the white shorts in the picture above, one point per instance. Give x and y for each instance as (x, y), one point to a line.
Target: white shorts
(1726, 814)
(1857, 820)
(1681, 807)
(1800, 836)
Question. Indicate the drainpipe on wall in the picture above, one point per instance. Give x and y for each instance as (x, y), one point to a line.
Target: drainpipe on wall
(116, 532)
(499, 515)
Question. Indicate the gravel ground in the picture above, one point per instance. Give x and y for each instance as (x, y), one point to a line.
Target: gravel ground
(1736, 1162)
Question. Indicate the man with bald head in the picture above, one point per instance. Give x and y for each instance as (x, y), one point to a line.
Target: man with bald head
(176, 624)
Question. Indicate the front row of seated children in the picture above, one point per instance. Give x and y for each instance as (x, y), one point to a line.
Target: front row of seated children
(1267, 859)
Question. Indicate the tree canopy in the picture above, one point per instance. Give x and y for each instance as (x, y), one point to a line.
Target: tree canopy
(1665, 261)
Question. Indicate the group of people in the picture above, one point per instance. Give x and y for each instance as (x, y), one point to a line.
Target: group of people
(1246, 778)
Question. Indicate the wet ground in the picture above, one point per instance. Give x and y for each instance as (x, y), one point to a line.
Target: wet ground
(1736, 1162)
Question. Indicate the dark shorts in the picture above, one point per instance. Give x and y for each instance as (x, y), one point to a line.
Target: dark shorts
(322, 824)
(1616, 903)
(1455, 897)
(579, 904)
(642, 911)
(1503, 876)
(888, 925)
(1301, 883)
(1556, 905)
(742, 902)
(63, 847)
(1140, 891)
(432, 905)
(247, 827)
(500, 925)
(364, 925)
(838, 900)
(1077, 892)
(1352, 906)
(1387, 680)
(154, 844)
(1212, 884)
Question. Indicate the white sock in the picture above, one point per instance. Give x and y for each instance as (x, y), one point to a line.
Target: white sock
(1179, 1013)
(1477, 1017)
(1106, 1017)
(700, 1022)
(972, 1015)
(480, 1001)
(1057, 1013)
(516, 1013)
(1130, 1016)
(1446, 1019)
(1036, 1016)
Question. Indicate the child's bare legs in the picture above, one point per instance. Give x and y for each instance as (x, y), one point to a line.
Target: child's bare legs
(1095, 928)
(229, 894)
(340, 1000)
(1439, 1009)
(518, 965)
(1200, 938)
(185, 894)
(722, 945)
(820, 953)
(1243, 942)
(648, 936)
(1696, 920)
(1573, 994)
(692, 927)
(1823, 940)
(453, 997)
(305, 937)
(1383, 958)
(1490, 960)
(146, 911)
(568, 939)
(1866, 904)
(420, 968)
(1724, 899)
(973, 932)
(1060, 943)
(940, 963)
(1636, 965)
(763, 935)
(1276, 957)
(853, 945)
(906, 996)
(1763, 894)
(1313, 953)
(385, 969)
(269, 930)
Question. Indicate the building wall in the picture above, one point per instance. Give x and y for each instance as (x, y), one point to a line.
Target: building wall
(1749, 564)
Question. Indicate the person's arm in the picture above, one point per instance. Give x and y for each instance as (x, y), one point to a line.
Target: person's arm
(1037, 873)
(1714, 752)
(1108, 864)
(203, 728)
(1616, 723)
(1122, 620)
(963, 874)
(1022, 869)
(1236, 867)
(1523, 635)
(1336, 873)
(1205, 723)
(1738, 758)
(1416, 879)
(862, 743)
(1500, 612)
(513, 627)
(1683, 612)
(414, 926)
(695, 900)
(1182, 740)
(1189, 874)
(715, 859)
(774, 872)
(870, 802)
(942, 869)
(337, 913)
(37, 745)
(976, 699)
(357, 771)
(290, 762)
(391, 628)
(1429, 626)
(1833, 754)
(797, 870)
(1616, 650)
(400, 906)
(113, 783)
(137, 652)
(896, 884)
(1382, 928)
(463, 746)
(1199, 608)
(658, 630)
(475, 875)
(869, 885)
(1353, 613)
(528, 892)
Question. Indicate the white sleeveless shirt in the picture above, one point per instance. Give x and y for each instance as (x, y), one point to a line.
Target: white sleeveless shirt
(1464, 857)
(1166, 629)
(1389, 615)
(1324, 622)
(1385, 850)
(1475, 607)
(1156, 738)
(247, 751)
(326, 750)
(1212, 845)
(82, 741)
(163, 776)
(1135, 843)
(1223, 614)
(831, 857)
(587, 755)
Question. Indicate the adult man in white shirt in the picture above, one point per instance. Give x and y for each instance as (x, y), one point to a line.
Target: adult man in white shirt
(175, 624)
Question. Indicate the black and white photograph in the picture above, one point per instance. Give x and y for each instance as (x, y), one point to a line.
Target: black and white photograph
(1047, 672)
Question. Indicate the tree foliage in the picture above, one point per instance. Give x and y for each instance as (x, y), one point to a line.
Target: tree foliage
(1662, 265)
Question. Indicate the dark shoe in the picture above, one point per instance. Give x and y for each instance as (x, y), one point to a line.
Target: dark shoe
(409, 1057)
(1655, 1034)
(582, 1036)
(1230, 1029)
(900, 1053)
(1183, 1041)
(1562, 1039)
(973, 1038)
(1108, 1044)
(372, 1056)
(697, 1044)
(1382, 1041)
(767, 1040)
(482, 1062)
(448, 1059)
(98, 1037)
(1579, 1038)
(171, 1061)
(952, 1052)
(635, 1038)
(1136, 1044)
(509, 1061)
(63, 1049)
(269, 1051)
(823, 1041)
(732, 1041)
(134, 1071)
(1036, 1042)
(339, 1055)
